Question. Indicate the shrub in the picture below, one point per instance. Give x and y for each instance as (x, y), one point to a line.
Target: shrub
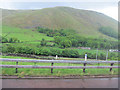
(70, 53)
(4, 49)
(45, 51)
(4, 40)
(13, 40)
(102, 56)
(43, 42)
(55, 51)
(25, 50)
(10, 49)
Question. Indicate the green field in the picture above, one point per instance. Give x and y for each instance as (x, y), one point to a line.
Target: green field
(24, 35)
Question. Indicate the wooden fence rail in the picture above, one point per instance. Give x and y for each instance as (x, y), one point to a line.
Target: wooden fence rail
(57, 61)
(59, 67)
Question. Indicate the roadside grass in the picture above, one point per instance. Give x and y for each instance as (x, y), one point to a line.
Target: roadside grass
(51, 57)
(56, 72)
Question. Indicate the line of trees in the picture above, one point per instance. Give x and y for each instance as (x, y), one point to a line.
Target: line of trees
(65, 38)
(52, 51)
(10, 40)
(52, 33)
(46, 51)
(74, 41)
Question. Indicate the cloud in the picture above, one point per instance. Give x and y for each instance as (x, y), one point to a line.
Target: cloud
(107, 8)
(110, 11)
(6, 5)
(59, 0)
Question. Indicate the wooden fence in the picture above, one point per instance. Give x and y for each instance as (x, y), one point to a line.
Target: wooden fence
(58, 61)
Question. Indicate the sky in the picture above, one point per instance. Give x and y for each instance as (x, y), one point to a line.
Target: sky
(107, 7)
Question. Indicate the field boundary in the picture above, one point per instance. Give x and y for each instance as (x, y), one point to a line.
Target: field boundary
(60, 77)
(57, 61)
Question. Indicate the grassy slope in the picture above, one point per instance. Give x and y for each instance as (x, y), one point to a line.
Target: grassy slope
(24, 34)
(84, 22)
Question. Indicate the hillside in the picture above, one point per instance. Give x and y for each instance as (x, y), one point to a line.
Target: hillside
(58, 31)
(85, 23)
(25, 35)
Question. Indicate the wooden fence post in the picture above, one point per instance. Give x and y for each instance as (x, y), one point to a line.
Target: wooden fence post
(111, 65)
(52, 68)
(34, 63)
(84, 68)
(16, 68)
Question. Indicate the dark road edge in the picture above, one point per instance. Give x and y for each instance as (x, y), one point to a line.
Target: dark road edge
(61, 77)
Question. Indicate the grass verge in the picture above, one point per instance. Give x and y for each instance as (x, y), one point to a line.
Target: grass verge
(56, 72)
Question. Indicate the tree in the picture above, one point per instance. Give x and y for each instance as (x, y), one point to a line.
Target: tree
(74, 42)
(11, 49)
(4, 40)
(70, 53)
(65, 43)
(43, 42)
(57, 39)
(13, 40)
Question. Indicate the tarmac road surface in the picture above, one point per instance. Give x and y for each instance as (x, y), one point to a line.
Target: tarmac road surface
(61, 83)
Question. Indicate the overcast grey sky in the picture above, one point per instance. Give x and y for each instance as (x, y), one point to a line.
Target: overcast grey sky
(59, 0)
(108, 7)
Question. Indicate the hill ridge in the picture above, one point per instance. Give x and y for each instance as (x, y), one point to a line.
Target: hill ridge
(84, 22)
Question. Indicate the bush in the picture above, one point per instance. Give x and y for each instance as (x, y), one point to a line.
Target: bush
(113, 56)
(102, 56)
(13, 40)
(43, 42)
(51, 51)
(55, 51)
(25, 50)
(4, 40)
(45, 51)
(91, 55)
(70, 53)
(4, 49)
(10, 49)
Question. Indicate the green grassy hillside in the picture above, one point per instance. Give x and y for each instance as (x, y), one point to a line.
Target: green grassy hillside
(84, 22)
(23, 35)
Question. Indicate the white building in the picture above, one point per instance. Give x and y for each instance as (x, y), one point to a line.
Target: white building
(113, 50)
